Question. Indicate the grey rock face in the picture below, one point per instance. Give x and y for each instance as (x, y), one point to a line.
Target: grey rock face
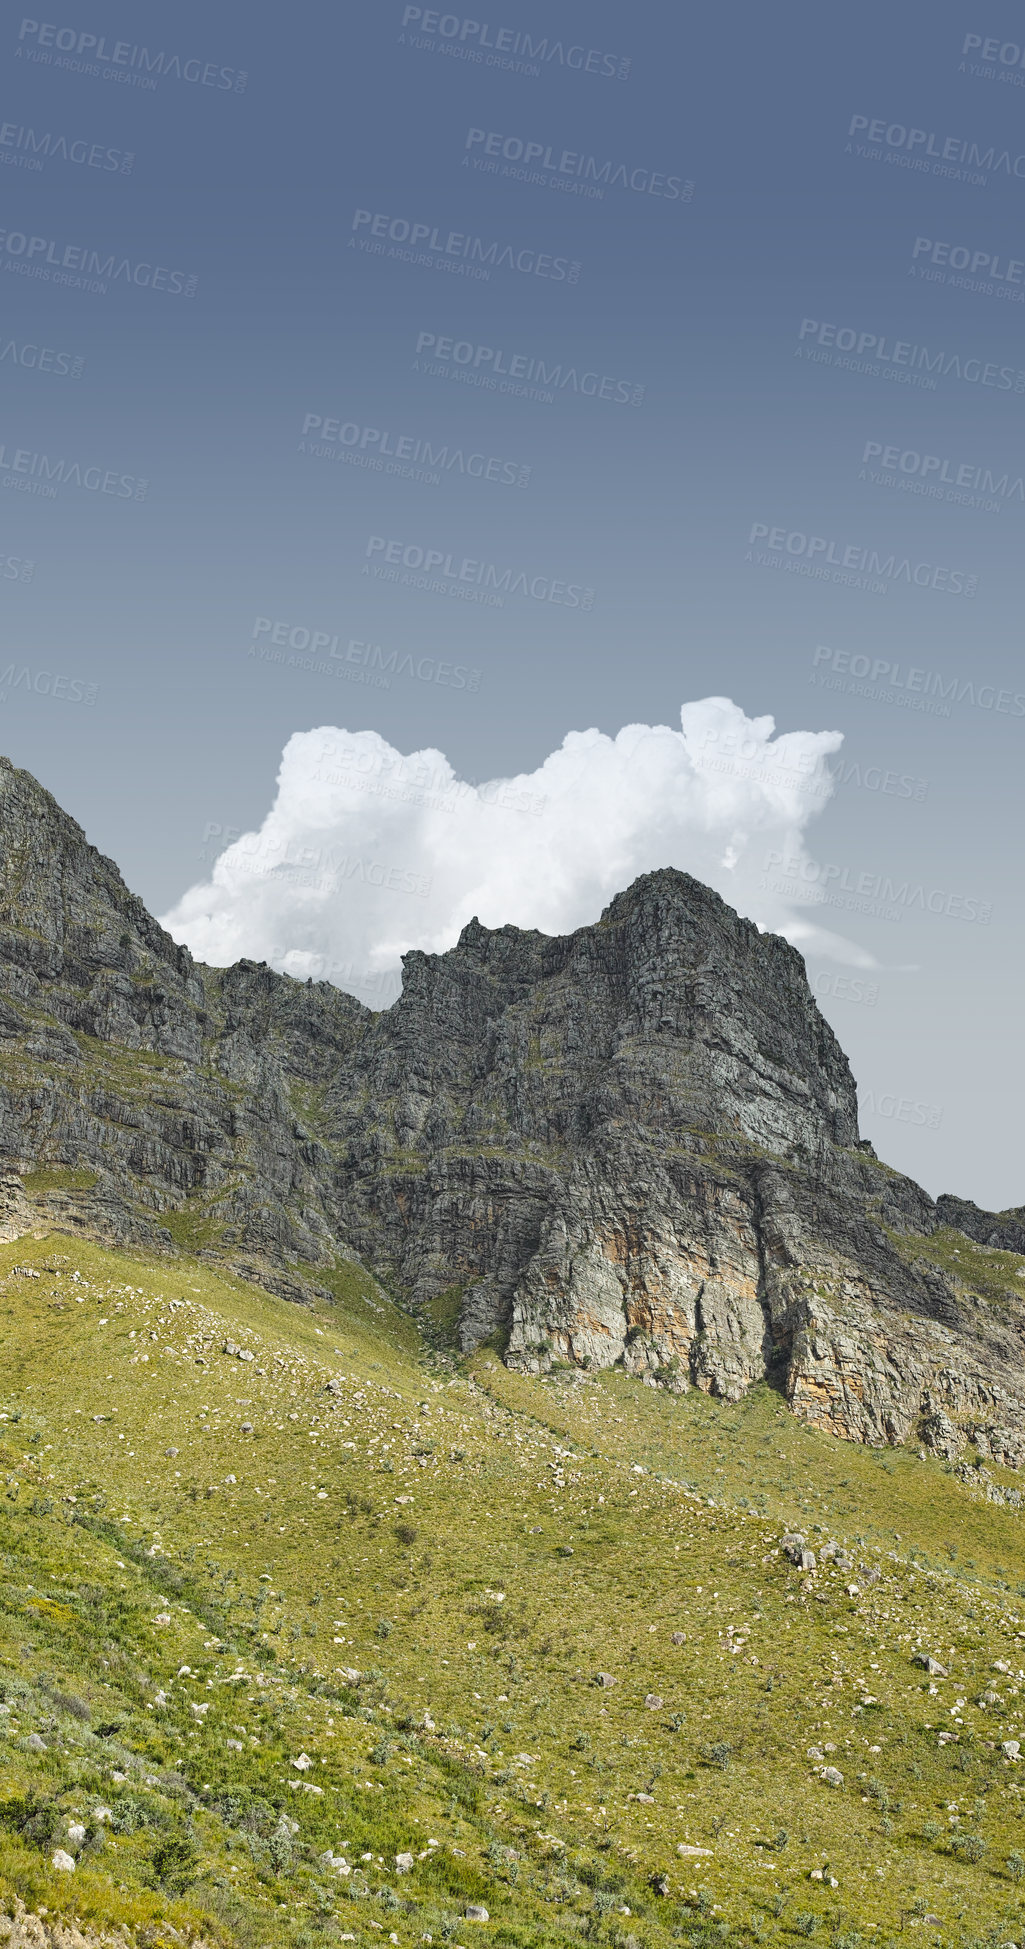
(633, 1144)
(1003, 1229)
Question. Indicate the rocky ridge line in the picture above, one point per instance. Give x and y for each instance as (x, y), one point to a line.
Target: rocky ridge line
(636, 1143)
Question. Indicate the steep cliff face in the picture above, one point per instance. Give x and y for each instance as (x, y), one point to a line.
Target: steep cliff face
(135, 1084)
(637, 1143)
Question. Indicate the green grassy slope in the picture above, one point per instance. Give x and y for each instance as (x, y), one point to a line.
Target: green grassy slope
(248, 1619)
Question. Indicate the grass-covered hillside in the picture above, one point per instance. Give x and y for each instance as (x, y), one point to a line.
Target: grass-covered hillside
(311, 1633)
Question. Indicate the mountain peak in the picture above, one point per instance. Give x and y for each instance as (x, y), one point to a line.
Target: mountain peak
(634, 1144)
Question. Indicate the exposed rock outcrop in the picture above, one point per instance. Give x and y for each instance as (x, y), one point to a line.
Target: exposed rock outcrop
(637, 1143)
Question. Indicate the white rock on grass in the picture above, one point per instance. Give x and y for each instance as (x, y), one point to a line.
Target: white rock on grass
(61, 1859)
(76, 1832)
(303, 1762)
(476, 1912)
(403, 1863)
(832, 1776)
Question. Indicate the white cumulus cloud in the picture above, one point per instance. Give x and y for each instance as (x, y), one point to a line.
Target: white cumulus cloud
(367, 851)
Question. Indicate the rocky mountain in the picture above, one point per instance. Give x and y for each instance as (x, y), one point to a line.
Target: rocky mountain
(637, 1143)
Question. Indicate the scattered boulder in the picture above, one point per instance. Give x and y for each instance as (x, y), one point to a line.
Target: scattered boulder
(35, 1744)
(654, 1701)
(76, 1832)
(659, 1884)
(476, 1912)
(62, 1860)
(792, 1545)
(687, 1849)
(930, 1665)
(403, 1864)
(604, 1679)
(303, 1762)
(679, 1637)
(832, 1776)
(1011, 1749)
